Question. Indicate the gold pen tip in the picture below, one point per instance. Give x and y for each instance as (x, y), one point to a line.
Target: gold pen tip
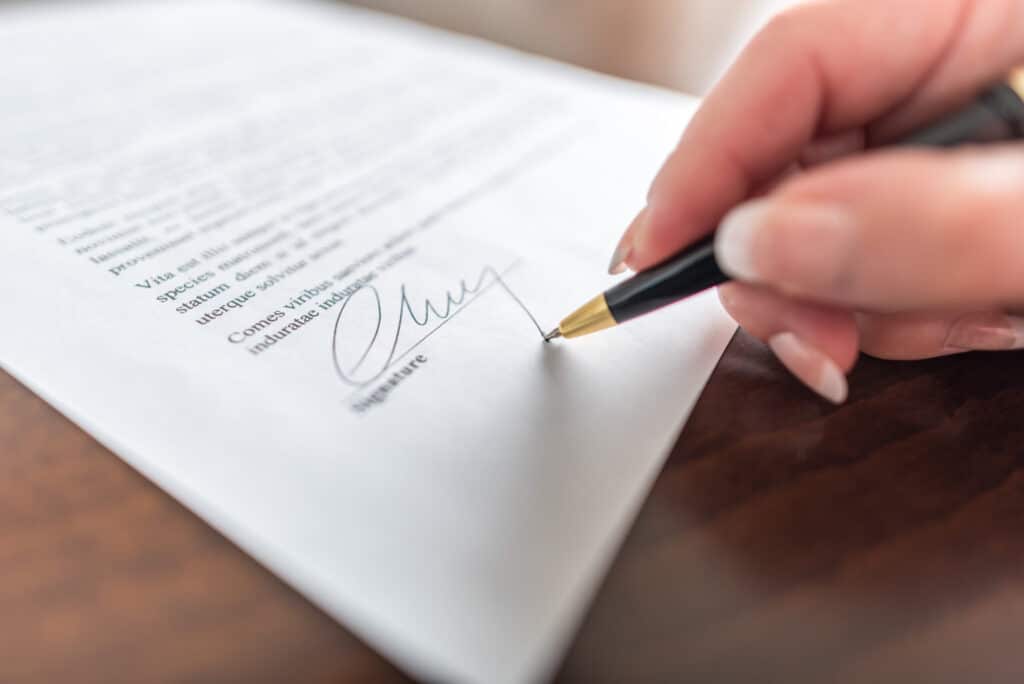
(553, 335)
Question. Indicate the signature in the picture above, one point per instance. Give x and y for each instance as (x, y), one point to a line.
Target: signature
(362, 346)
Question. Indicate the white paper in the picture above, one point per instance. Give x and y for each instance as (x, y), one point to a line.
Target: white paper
(174, 177)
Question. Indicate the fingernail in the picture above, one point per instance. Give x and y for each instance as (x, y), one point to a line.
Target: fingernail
(810, 366)
(734, 241)
(622, 252)
(625, 247)
(986, 332)
(806, 242)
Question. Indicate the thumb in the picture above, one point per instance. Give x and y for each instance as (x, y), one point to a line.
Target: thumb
(890, 231)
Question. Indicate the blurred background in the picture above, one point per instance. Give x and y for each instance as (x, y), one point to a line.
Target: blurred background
(682, 44)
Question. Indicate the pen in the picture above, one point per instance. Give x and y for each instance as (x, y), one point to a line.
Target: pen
(996, 115)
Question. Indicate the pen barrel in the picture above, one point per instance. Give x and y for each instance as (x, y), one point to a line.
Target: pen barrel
(687, 273)
(996, 115)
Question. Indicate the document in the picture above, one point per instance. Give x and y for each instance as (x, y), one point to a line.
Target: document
(293, 261)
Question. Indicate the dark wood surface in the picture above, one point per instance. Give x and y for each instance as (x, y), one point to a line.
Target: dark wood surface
(786, 540)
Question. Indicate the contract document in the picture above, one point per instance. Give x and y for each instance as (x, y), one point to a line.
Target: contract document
(292, 261)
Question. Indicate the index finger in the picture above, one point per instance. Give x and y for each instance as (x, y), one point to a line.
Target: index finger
(816, 70)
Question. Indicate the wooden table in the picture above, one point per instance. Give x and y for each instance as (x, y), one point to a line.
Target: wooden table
(786, 540)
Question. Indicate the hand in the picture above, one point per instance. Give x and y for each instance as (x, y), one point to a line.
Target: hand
(904, 254)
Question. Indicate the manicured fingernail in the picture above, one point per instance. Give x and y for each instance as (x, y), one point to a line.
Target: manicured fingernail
(622, 252)
(802, 242)
(734, 242)
(812, 367)
(986, 332)
(625, 247)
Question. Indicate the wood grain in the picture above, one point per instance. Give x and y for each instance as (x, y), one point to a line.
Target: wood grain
(786, 540)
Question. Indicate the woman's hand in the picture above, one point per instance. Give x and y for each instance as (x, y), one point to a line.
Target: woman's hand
(904, 254)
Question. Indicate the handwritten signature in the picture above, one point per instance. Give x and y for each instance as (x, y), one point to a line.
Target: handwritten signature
(363, 351)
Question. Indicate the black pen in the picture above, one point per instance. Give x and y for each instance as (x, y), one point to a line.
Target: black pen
(996, 115)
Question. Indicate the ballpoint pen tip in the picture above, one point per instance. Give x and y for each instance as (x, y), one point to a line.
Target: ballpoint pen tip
(553, 335)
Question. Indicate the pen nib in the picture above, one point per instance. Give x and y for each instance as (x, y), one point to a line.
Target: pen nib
(553, 335)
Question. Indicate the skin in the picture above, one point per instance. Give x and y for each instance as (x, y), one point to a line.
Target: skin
(902, 254)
